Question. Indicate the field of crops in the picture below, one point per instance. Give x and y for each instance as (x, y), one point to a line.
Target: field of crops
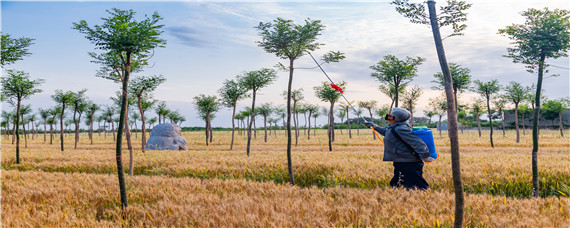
(212, 186)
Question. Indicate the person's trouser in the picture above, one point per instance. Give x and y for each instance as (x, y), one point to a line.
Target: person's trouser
(409, 175)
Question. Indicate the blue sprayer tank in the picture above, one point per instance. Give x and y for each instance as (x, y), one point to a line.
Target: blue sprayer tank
(427, 136)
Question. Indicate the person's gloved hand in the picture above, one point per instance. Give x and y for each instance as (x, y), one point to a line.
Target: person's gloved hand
(428, 159)
(369, 124)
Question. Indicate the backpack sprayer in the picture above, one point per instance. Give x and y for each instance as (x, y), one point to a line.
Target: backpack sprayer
(337, 88)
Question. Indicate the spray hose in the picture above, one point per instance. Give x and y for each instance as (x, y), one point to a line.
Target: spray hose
(337, 88)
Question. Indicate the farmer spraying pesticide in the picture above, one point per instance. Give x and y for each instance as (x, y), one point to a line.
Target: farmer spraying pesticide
(405, 149)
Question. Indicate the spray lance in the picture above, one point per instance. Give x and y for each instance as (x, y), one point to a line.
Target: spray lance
(337, 88)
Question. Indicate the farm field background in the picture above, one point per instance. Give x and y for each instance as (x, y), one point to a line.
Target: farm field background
(212, 186)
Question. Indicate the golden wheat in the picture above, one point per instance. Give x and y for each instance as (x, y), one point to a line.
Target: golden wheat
(49, 189)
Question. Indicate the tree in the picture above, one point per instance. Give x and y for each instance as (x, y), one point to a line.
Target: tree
(516, 93)
(63, 99)
(369, 105)
(395, 72)
(439, 105)
(265, 110)
(523, 109)
(52, 120)
(488, 89)
(429, 114)
(206, 106)
(383, 111)
(25, 110)
(255, 80)
(296, 96)
(411, 97)
(44, 115)
(500, 106)
(328, 94)
(545, 34)
(461, 78)
(341, 113)
(345, 107)
(476, 109)
(78, 105)
(123, 37)
(390, 91)
(152, 121)
(91, 109)
(557, 107)
(142, 88)
(313, 110)
(13, 49)
(288, 40)
(161, 111)
(451, 14)
(18, 86)
(230, 93)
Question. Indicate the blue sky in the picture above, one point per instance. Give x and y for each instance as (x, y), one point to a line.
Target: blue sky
(211, 41)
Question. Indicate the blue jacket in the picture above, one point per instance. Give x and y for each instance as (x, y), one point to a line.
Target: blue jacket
(395, 150)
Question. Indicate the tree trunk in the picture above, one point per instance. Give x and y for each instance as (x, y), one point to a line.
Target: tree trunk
(143, 126)
(265, 126)
(254, 129)
(129, 141)
(503, 122)
(233, 126)
(535, 181)
(210, 128)
(119, 138)
(50, 134)
(331, 123)
(451, 118)
(348, 122)
(396, 93)
(17, 130)
(24, 131)
(561, 125)
(113, 129)
(44, 130)
(490, 121)
(76, 122)
(440, 127)
(61, 125)
(289, 162)
(250, 123)
(517, 121)
(295, 121)
(309, 129)
(91, 127)
(207, 129)
(478, 124)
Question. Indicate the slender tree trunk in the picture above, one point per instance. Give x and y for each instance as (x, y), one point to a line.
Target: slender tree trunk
(250, 123)
(91, 127)
(206, 128)
(451, 118)
(143, 126)
(129, 141)
(50, 134)
(254, 129)
(517, 121)
(113, 130)
(24, 131)
(305, 115)
(289, 162)
(17, 130)
(233, 126)
(309, 129)
(396, 93)
(210, 128)
(535, 181)
(315, 130)
(61, 125)
(348, 122)
(478, 124)
(295, 121)
(331, 124)
(490, 121)
(119, 139)
(76, 122)
(265, 126)
(44, 131)
(503, 122)
(561, 125)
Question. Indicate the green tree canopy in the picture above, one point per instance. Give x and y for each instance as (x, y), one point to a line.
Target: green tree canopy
(395, 72)
(13, 49)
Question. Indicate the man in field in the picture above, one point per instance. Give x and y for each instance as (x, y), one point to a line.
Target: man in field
(405, 149)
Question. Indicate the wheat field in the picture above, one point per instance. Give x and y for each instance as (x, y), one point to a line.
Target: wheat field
(212, 186)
